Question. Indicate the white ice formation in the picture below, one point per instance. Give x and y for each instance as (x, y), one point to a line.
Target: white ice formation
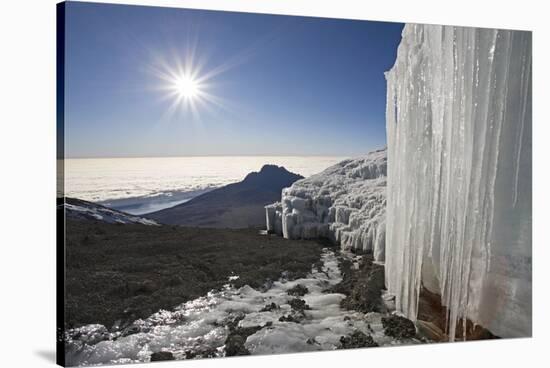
(459, 175)
(345, 203)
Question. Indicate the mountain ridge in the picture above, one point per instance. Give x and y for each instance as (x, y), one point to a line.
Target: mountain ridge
(236, 205)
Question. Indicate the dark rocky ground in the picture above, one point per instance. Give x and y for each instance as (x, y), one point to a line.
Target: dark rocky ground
(119, 273)
(362, 287)
(116, 274)
(357, 340)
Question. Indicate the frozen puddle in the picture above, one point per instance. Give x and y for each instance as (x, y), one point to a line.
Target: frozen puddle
(200, 325)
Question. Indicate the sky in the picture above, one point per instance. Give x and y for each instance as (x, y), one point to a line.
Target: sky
(267, 84)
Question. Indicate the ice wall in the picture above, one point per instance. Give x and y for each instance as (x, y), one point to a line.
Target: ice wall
(345, 203)
(459, 174)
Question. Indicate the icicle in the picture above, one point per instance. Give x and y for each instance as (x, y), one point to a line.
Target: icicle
(458, 216)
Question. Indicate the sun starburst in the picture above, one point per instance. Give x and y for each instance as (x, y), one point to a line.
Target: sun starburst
(185, 86)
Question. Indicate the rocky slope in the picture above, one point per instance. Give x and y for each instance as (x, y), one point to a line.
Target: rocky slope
(238, 205)
(78, 209)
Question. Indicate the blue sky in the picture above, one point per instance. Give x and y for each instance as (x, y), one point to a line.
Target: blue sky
(281, 85)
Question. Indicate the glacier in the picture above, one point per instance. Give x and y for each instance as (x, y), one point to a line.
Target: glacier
(345, 203)
(458, 215)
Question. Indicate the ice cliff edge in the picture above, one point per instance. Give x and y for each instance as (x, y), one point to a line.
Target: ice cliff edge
(459, 175)
(345, 203)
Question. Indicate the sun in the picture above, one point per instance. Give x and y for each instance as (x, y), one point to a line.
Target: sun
(186, 86)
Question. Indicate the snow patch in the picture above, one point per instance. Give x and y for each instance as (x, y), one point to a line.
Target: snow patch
(79, 209)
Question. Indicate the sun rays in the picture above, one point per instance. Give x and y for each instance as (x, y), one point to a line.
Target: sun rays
(191, 84)
(183, 86)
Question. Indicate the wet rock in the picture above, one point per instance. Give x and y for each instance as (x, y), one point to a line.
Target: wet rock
(298, 290)
(295, 318)
(430, 331)
(312, 341)
(325, 285)
(268, 284)
(270, 307)
(369, 327)
(398, 327)
(204, 353)
(234, 346)
(298, 305)
(161, 355)
(357, 340)
(473, 331)
(234, 343)
(232, 323)
(134, 327)
(319, 266)
(130, 330)
(430, 310)
(189, 354)
(118, 325)
(297, 315)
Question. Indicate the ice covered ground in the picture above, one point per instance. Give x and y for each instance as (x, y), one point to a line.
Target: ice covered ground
(346, 203)
(459, 178)
(199, 327)
(78, 209)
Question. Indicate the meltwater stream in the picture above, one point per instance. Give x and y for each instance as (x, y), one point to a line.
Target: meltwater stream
(200, 325)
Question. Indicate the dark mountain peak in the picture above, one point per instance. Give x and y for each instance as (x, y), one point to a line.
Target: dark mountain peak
(271, 176)
(236, 205)
(271, 167)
